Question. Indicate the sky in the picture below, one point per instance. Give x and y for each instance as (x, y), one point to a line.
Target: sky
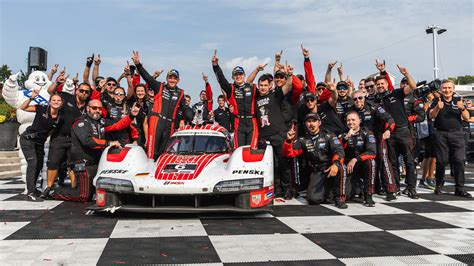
(183, 35)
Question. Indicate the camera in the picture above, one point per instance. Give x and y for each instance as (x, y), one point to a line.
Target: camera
(424, 88)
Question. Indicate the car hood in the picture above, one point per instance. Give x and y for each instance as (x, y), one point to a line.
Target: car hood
(182, 167)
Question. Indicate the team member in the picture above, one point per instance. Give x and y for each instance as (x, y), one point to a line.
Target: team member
(360, 151)
(60, 143)
(344, 101)
(202, 110)
(330, 120)
(33, 139)
(325, 157)
(116, 110)
(467, 124)
(272, 128)
(371, 92)
(376, 119)
(168, 99)
(448, 113)
(393, 103)
(140, 98)
(223, 116)
(241, 95)
(88, 142)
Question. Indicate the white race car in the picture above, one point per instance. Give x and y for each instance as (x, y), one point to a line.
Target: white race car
(198, 172)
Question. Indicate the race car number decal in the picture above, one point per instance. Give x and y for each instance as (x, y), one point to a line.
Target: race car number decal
(179, 168)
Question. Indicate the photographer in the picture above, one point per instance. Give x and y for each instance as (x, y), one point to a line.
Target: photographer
(448, 113)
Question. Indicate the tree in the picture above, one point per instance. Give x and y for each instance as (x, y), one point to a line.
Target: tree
(463, 80)
(5, 72)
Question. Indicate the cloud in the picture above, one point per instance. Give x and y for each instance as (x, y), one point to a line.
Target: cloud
(249, 64)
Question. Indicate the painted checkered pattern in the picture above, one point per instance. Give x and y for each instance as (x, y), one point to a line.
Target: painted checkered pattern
(431, 230)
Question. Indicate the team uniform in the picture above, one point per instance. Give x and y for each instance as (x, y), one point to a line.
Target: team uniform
(88, 142)
(321, 151)
(166, 103)
(361, 146)
(243, 99)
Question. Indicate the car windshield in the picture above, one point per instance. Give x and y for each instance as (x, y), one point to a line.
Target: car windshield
(197, 144)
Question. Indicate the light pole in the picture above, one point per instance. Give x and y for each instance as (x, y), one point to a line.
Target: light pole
(435, 30)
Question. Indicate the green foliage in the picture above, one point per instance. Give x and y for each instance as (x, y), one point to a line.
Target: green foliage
(5, 72)
(463, 80)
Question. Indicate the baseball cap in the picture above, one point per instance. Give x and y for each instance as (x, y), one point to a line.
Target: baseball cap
(280, 73)
(321, 84)
(342, 85)
(312, 115)
(309, 95)
(238, 69)
(173, 72)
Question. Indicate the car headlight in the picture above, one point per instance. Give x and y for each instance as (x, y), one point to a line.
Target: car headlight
(239, 185)
(114, 184)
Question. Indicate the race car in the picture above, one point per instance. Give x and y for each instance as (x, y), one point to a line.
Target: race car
(198, 172)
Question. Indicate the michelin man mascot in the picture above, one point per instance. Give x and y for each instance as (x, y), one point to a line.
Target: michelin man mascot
(15, 96)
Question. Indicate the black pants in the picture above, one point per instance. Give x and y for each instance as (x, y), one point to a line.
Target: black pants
(399, 143)
(245, 132)
(384, 178)
(83, 192)
(450, 149)
(467, 133)
(363, 176)
(281, 164)
(59, 149)
(33, 149)
(321, 187)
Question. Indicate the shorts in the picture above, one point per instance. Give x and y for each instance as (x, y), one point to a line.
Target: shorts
(59, 149)
(429, 145)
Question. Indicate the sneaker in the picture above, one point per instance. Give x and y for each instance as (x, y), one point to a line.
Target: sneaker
(422, 184)
(430, 184)
(405, 191)
(438, 190)
(411, 193)
(46, 193)
(390, 196)
(369, 202)
(32, 197)
(463, 194)
(341, 205)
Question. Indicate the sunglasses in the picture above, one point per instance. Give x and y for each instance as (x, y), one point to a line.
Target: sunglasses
(320, 88)
(342, 88)
(369, 86)
(85, 91)
(119, 94)
(360, 98)
(310, 100)
(95, 108)
(111, 84)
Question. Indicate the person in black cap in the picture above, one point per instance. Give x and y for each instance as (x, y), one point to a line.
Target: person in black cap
(344, 101)
(169, 98)
(330, 120)
(241, 95)
(448, 113)
(325, 157)
(272, 128)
